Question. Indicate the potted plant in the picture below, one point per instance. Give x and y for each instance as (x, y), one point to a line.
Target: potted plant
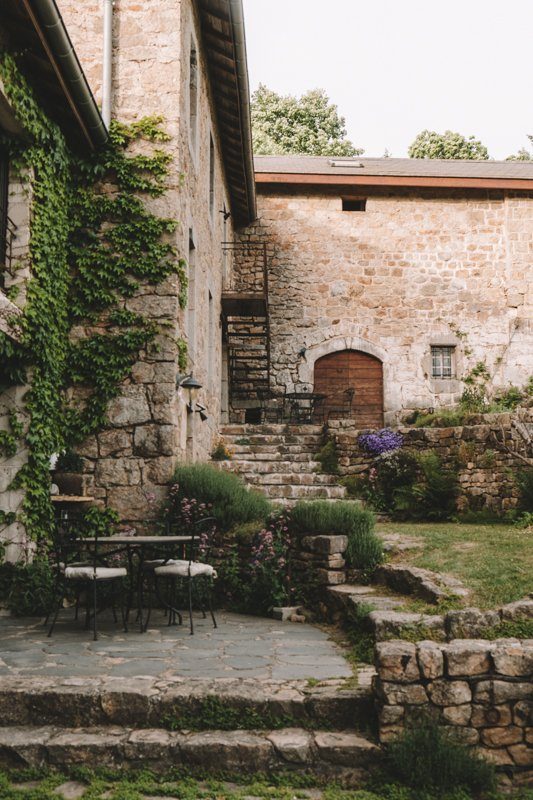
(67, 473)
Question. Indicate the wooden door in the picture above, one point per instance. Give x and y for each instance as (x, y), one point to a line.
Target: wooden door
(351, 369)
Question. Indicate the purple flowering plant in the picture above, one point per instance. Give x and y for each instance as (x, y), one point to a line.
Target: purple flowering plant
(269, 565)
(381, 441)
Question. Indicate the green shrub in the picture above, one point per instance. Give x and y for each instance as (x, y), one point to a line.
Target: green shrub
(231, 503)
(328, 458)
(524, 480)
(444, 418)
(428, 759)
(364, 549)
(433, 497)
(27, 589)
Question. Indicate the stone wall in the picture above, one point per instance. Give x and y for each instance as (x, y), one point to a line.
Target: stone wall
(129, 465)
(481, 690)
(417, 268)
(486, 454)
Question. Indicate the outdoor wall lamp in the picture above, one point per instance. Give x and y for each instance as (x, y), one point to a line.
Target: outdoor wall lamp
(193, 386)
(302, 352)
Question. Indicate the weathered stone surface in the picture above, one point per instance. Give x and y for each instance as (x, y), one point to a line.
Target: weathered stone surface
(501, 737)
(390, 624)
(400, 694)
(396, 661)
(117, 441)
(458, 715)
(391, 715)
(423, 583)
(130, 408)
(520, 609)
(470, 623)
(346, 749)
(496, 692)
(150, 745)
(491, 716)
(154, 440)
(468, 657)
(235, 749)
(118, 472)
(513, 658)
(293, 745)
(71, 790)
(522, 755)
(523, 713)
(430, 659)
(449, 693)
(326, 545)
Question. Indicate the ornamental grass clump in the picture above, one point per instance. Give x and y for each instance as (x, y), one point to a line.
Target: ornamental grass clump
(230, 502)
(364, 550)
(432, 763)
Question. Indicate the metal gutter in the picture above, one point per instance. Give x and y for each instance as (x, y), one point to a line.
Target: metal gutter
(321, 179)
(241, 63)
(55, 38)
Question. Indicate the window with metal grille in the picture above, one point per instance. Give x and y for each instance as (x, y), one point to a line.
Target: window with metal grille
(348, 204)
(442, 361)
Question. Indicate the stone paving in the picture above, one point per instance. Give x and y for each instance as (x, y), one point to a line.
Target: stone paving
(241, 647)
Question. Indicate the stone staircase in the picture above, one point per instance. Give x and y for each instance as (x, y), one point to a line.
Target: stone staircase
(203, 726)
(280, 460)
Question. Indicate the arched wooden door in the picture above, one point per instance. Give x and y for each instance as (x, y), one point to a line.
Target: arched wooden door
(336, 373)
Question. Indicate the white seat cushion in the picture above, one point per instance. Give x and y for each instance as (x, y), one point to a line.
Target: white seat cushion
(182, 569)
(91, 574)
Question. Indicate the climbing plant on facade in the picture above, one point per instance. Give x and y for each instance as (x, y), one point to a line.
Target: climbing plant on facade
(93, 245)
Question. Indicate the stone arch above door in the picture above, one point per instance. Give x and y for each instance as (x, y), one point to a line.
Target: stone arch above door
(306, 369)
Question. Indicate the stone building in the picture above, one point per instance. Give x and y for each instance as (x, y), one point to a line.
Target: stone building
(184, 61)
(389, 277)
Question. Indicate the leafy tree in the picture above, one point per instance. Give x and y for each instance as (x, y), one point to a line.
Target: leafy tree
(523, 154)
(310, 124)
(430, 144)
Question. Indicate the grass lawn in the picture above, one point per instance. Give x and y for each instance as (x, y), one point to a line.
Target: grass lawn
(144, 786)
(494, 561)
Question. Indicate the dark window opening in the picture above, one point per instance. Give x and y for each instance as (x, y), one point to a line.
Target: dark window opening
(353, 205)
(4, 219)
(252, 416)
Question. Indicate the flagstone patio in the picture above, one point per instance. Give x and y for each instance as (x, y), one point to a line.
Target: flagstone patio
(241, 647)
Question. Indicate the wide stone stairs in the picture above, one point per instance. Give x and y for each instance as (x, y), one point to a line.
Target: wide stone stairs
(280, 461)
(216, 726)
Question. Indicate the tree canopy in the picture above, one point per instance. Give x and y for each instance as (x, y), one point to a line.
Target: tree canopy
(310, 125)
(430, 144)
(523, 154)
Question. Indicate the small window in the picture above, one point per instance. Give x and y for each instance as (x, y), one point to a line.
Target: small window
(211, 177)
(442, 361)
(353, 205)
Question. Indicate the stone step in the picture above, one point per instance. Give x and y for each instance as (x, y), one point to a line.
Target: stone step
(247, 429)
(262, 467)
(193, 704)
(346, 756)
(289, 478)
(312, 492)
(385, 619)
(258, 452)
(278, 439)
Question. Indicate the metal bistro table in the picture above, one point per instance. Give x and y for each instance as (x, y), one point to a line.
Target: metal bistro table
(139, 546)
(304, 406)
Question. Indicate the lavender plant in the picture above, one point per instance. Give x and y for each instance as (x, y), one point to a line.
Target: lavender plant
(381, 441)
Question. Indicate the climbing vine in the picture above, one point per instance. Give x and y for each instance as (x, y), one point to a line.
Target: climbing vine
(93, 245)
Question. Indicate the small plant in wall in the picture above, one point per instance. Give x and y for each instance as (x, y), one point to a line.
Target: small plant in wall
(221, 452)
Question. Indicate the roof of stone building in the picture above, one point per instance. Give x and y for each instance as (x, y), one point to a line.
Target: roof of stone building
(224, 39)
(34, 29)
(394, 171)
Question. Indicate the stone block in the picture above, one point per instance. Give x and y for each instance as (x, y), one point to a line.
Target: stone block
(513, 658)
(396, 662)
(130, 408)
(502, 737)
(325, 545)
(495, 692)
(346, 749)
(470, 622)
(523, 713)
(115, 442)
(520, 609)
(457, 715)
(491, 716)
(430, 659)
(391, 715)
(412, 694)
(467, 657)
(522, 755)
(118, 472)
(293, 745)
(391, 624)
(449, 693)
(154, 440)
(499, 757)
(468, 736)
(330, 577)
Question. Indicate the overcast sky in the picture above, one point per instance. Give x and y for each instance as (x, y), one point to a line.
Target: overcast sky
(395, 67)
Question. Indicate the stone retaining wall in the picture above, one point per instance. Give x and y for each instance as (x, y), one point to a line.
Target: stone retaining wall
(485, 453)
(481, 690)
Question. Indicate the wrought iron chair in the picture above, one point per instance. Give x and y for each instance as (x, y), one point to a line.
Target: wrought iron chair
(272, 406)
(344, 410)
(191, 571)
(73, 571)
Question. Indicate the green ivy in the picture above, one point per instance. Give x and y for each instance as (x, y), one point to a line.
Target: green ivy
(93, 244)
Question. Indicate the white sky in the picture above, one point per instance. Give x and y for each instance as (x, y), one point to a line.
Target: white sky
(395, 67)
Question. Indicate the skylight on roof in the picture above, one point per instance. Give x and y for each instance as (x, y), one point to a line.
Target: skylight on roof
(351, 164)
